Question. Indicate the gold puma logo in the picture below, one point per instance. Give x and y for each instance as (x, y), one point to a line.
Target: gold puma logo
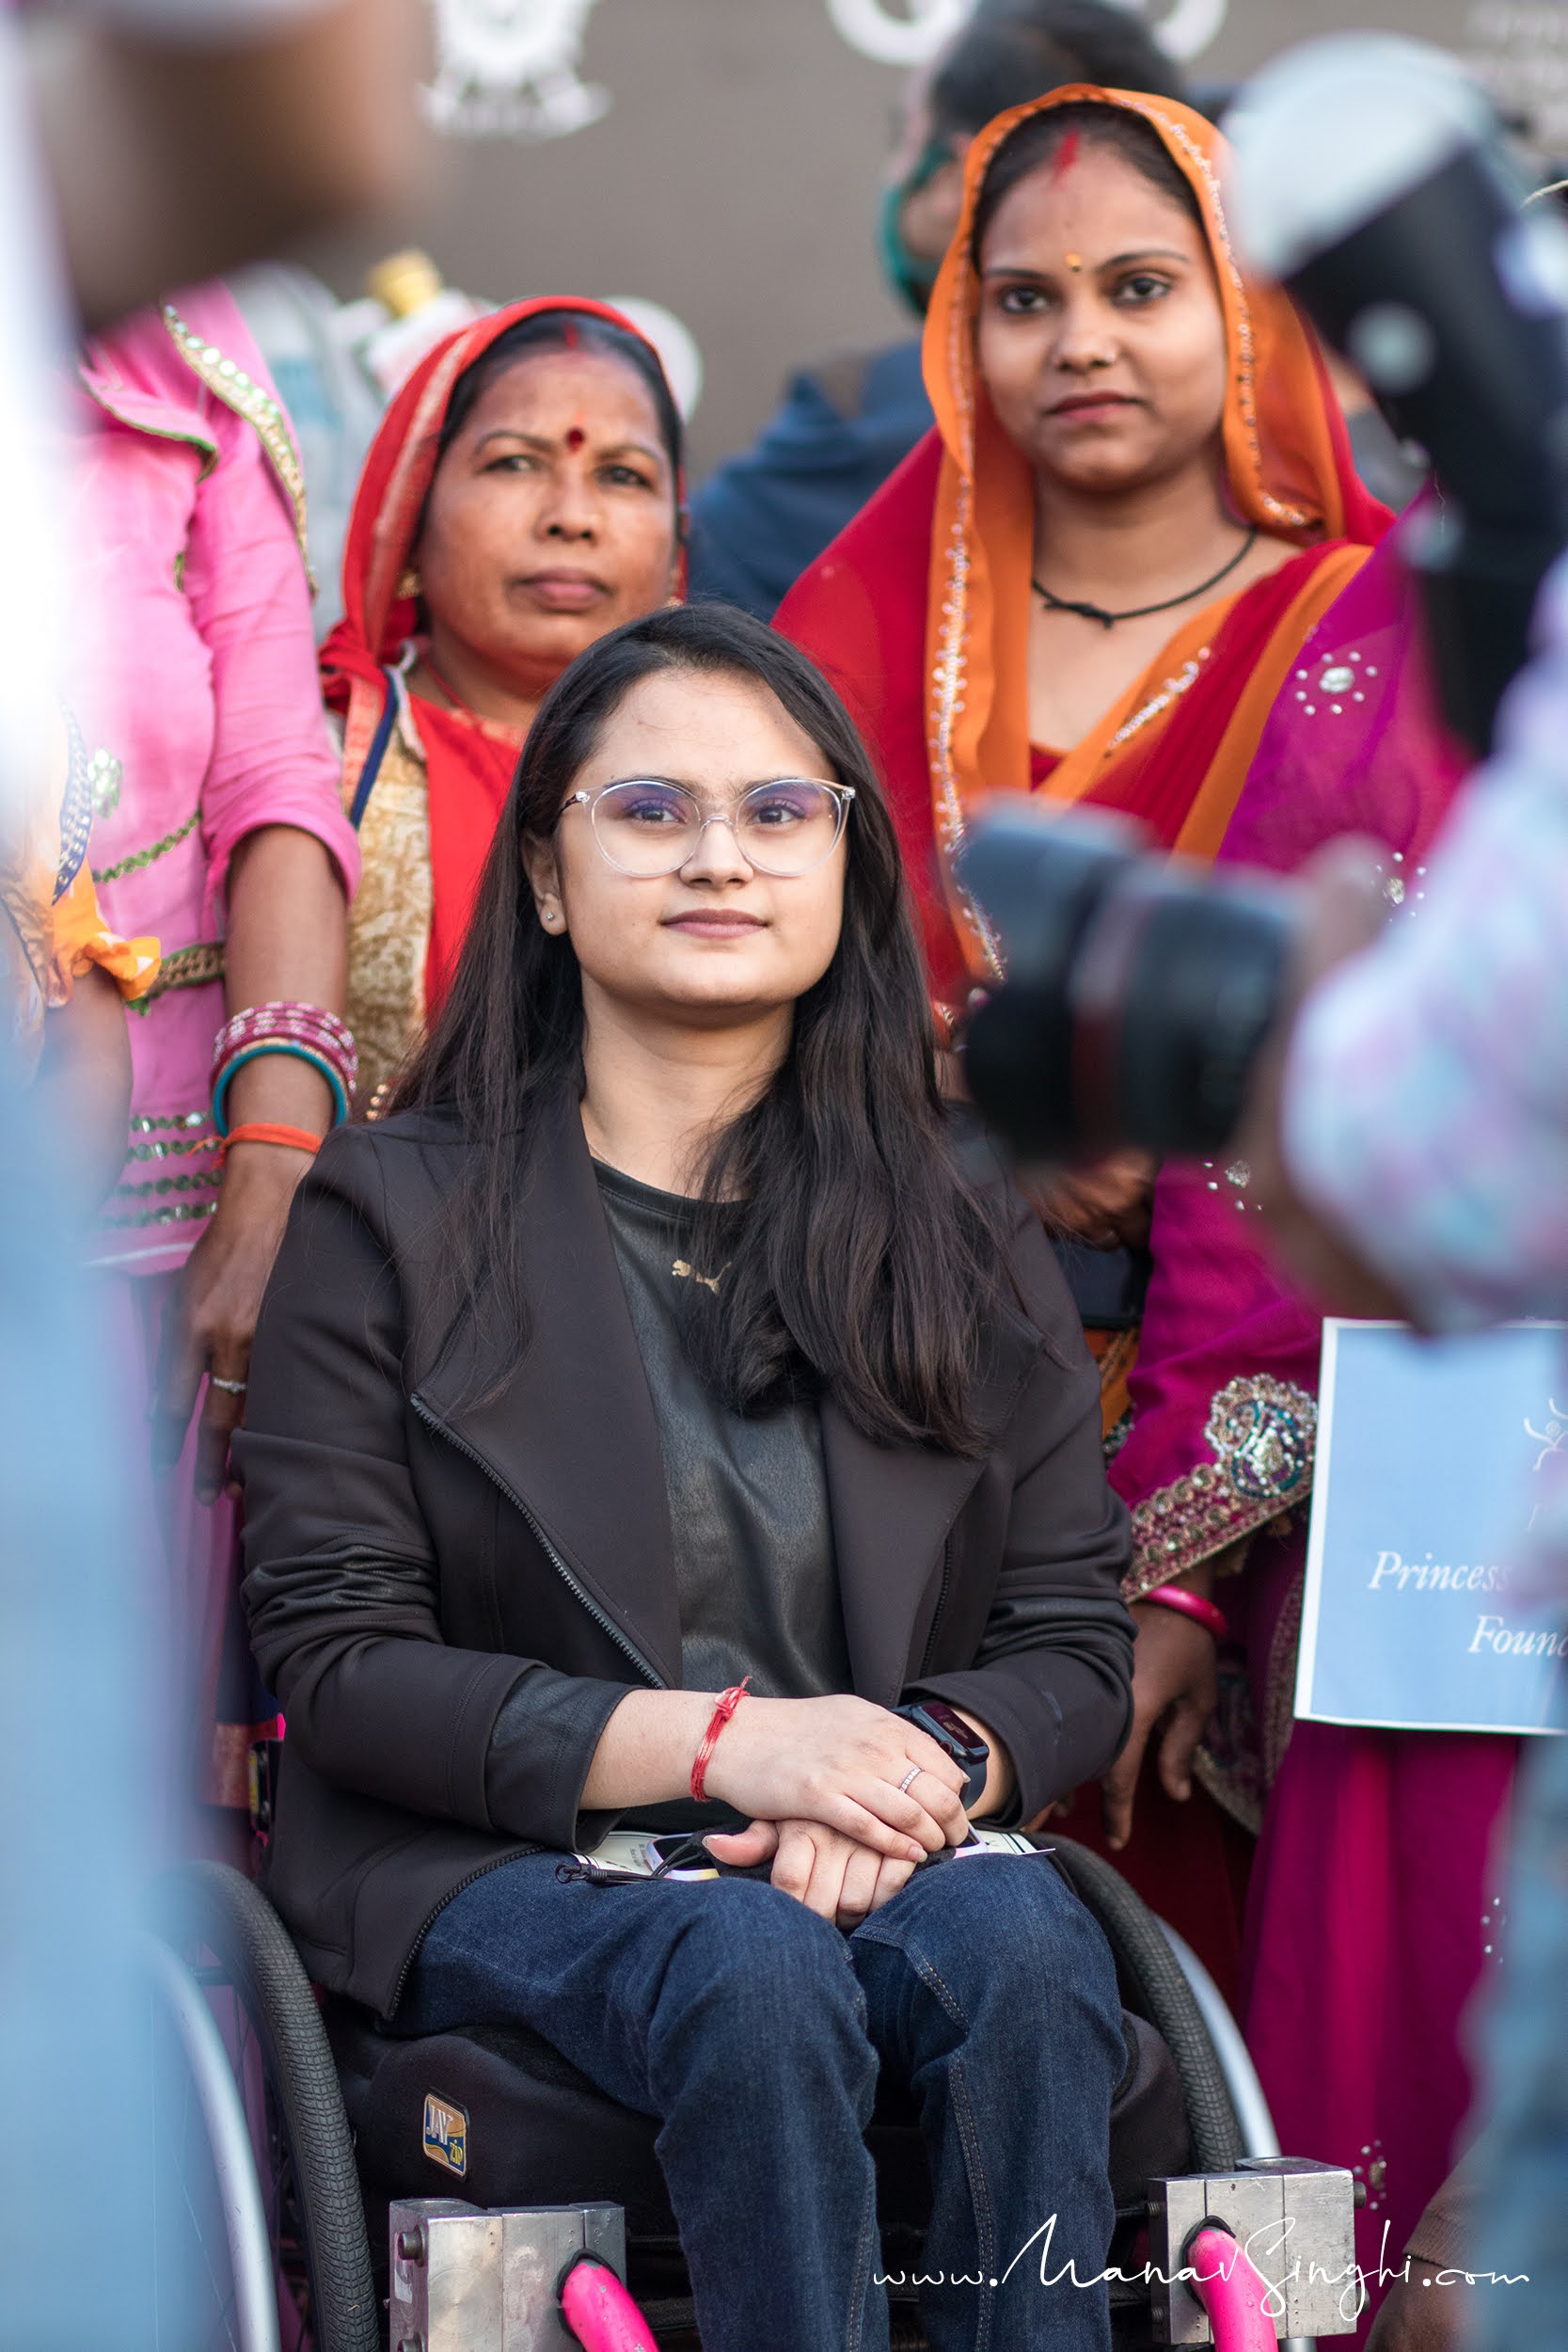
(690, 1273)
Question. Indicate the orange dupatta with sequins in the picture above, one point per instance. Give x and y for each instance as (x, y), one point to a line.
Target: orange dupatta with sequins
(919, 610)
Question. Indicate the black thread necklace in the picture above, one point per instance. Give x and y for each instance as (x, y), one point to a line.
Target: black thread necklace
(1142, 611)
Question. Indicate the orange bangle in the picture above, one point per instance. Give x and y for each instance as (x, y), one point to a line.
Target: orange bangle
(728, 1701)
(266, 1130)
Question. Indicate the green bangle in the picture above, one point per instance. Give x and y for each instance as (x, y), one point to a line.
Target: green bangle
(277, 1045)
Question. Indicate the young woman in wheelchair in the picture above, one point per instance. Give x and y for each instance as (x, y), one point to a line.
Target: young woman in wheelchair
(669, 1336)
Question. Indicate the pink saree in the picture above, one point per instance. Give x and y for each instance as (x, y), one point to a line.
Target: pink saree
(1373, 1904)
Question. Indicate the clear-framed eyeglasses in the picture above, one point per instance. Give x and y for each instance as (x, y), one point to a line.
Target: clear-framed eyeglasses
(647, 826)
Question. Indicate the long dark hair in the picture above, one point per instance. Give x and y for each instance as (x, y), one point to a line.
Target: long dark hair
(866, 1260)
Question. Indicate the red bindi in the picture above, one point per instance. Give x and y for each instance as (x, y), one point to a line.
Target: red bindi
(575, 437)
(1066, 156)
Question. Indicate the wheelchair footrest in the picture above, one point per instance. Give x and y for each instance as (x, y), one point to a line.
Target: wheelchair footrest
(1294, 2221)
(462, 2280)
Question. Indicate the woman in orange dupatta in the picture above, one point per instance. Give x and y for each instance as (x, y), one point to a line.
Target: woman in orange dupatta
(924, 610)
(1095, 358)
(523, 496)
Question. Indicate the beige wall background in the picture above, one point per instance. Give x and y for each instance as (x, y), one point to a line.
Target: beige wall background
(732, 173)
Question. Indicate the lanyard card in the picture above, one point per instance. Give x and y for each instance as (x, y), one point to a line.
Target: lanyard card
(1434, 1458)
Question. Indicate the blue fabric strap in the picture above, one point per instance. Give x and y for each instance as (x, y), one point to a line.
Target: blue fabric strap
(377, 753)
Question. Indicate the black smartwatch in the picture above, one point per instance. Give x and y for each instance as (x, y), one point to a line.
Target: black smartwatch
(947, 1727)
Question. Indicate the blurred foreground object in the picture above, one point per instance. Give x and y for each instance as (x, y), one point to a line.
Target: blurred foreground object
(182, 138)
(1371, 176)
(79, 1728)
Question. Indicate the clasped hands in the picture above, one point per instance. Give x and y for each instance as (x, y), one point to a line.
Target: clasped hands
(821, 1776)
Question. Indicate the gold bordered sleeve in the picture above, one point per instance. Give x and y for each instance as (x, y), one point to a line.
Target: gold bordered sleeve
(238, 389)
(1263, 1433)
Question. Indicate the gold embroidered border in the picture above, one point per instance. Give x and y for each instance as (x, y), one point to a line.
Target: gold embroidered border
(187, 967)
(1263, 1433)
(1231, 1789)
(257, 406)
(1176, 134)
(1279, 1681)
(1172, 689)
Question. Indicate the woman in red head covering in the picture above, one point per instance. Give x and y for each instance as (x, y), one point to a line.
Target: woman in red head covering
(522, 497)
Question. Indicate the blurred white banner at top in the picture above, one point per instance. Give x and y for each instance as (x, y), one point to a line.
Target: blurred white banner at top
(911, 34)
(909, 37)
(511, 69)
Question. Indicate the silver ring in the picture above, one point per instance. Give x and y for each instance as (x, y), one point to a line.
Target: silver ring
(231, 1388)
(914, 1773)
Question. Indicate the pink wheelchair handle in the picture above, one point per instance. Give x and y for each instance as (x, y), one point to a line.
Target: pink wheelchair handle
(1232, 2292)
(599, 2311)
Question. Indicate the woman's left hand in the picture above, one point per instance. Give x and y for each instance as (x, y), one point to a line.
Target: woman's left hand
(822, 1868)
(1175, 1682)
(1108, 1205)
(211, 1319)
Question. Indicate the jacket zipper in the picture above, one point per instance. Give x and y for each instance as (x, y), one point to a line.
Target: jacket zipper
(607, 1622)
(941, 1602)
(512, 1853)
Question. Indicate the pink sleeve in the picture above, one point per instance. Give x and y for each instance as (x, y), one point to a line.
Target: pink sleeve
(273, 760)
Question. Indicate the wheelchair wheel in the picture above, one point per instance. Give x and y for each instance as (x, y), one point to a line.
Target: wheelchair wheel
(266, 2012)
(1153, 1984)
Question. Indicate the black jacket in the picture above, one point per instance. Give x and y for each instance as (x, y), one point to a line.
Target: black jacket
(414, 1564)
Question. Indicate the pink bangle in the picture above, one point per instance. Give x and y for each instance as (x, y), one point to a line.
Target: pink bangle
(1190, 1605)
(308, 1030)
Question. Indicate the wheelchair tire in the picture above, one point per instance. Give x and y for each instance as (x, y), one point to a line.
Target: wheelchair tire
(1153, 1984)
(315, 2211)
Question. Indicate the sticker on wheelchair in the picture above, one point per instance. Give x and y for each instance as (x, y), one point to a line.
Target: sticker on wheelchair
(446, 2133)
(625, 1856)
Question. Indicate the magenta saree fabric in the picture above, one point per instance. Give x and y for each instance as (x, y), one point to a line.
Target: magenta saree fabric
(1371, 1903)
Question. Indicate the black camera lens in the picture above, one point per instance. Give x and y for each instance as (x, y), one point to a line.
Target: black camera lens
(1175, 991)
(1041, 884)
(1138, 993)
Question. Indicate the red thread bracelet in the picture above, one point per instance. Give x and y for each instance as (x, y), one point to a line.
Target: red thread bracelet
(728, 1701)
(1193, 1605)
(269, 1131)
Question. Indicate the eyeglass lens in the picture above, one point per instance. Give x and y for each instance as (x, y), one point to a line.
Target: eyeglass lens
(785, 827)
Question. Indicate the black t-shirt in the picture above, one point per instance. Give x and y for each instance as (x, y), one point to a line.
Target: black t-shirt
(756, 1576)
(753, 1542)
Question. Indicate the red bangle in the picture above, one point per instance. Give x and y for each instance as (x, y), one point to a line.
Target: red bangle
(1190, 1605)
(269, 1131)
(728, 1701)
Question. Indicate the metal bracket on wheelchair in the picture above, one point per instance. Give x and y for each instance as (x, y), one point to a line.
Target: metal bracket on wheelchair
(1294, 2220)
(466, 2281)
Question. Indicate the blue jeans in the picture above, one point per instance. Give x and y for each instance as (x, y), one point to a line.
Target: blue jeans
(754, 2030)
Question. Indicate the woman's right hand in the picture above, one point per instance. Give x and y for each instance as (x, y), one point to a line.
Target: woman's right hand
(839, 1761)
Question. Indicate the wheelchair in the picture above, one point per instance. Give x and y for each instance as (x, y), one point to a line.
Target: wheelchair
(345, 2121)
